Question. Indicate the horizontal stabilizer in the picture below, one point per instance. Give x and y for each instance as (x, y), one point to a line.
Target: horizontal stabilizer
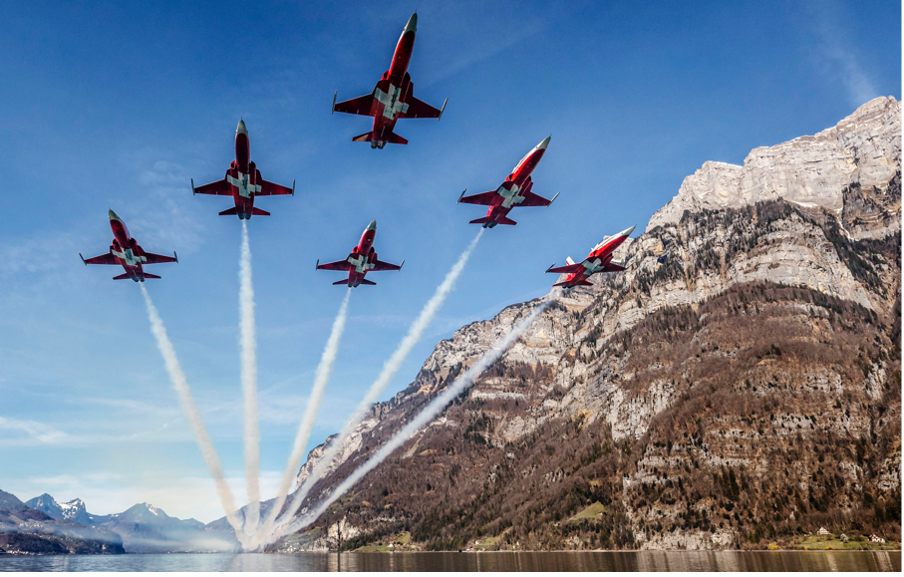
(366, 137)
(365, 281)
(394, 138)
(229, 211)
(122, 276)
(343, 281)
(567, 269)
(481, 220)
(505, 220)
(149, 275)
(259, 212)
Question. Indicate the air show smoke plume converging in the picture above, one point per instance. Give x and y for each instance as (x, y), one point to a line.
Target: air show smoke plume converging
(190, 409)
(249, 385)
(390, 368)
(321, 378)
(425, 416)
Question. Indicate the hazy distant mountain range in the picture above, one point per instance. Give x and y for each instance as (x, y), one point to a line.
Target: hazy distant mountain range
(738, 385)
(43, 525)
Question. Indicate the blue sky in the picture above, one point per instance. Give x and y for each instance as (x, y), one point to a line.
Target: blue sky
(117, 105)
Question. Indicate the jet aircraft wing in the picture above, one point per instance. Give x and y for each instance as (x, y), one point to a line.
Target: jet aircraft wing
(102, 259)
(380, 265)
(613, 268)
(567, 269)
(271, 188)
(485, 198)
(361, 105)
(531, 199)
(219, 187)
(419, 108)
(159, 258)
(338, 265)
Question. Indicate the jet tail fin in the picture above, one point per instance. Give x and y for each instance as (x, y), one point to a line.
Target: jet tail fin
(229, 211)
(259, 212)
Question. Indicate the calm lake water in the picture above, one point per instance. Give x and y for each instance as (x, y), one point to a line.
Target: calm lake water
(491, 561)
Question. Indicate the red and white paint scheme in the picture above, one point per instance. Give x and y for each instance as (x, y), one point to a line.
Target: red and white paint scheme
(392, 98)
(243, 181)
(362, 260)
(515, 191)
(599, 260)
(126, 251)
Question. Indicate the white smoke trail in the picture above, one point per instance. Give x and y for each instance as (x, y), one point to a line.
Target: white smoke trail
(249, 386)
(390, 368)
(432, 410)
(208, 451)
(321, 378)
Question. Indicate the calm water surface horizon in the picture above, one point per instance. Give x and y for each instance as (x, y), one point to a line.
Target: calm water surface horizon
(485, 561)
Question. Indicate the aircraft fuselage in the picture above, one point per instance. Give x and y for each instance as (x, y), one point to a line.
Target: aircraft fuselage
(511, 191)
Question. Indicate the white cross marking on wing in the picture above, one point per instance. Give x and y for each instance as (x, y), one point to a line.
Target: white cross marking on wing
(243, 184)
(360, 263)
(592, 265)
(130, 257)
(511, 196)
(391, 103)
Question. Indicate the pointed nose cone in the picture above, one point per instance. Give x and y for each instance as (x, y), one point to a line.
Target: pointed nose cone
(627, 231)
(240, 129)
(544, 144)
(372, 225)
(412, 24)
(114, 216)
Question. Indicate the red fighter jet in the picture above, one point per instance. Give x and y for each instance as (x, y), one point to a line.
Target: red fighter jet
(243, 181)
(599, 260)
(126, 251)
(515, 191)
(362, 260)
(393, 97)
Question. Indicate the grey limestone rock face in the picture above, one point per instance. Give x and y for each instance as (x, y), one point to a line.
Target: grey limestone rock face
(811, 171)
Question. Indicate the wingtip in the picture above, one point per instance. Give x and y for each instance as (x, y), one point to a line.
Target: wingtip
(83, 259)
(461, 197)
(401, 265)
(443, 109)
(317, 266)
(176, 256)
(293, 187)
(333, 109)
(553, 200)
(550, 267)
(193, 189)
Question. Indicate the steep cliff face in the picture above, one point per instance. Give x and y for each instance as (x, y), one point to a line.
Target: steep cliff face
(744, 389)
(863, 149)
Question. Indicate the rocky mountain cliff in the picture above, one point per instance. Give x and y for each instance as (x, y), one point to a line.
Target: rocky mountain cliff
(862, 150)
(739, 384)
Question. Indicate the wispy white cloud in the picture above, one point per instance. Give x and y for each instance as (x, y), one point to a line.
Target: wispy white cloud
(21, 432)
(838, 53)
